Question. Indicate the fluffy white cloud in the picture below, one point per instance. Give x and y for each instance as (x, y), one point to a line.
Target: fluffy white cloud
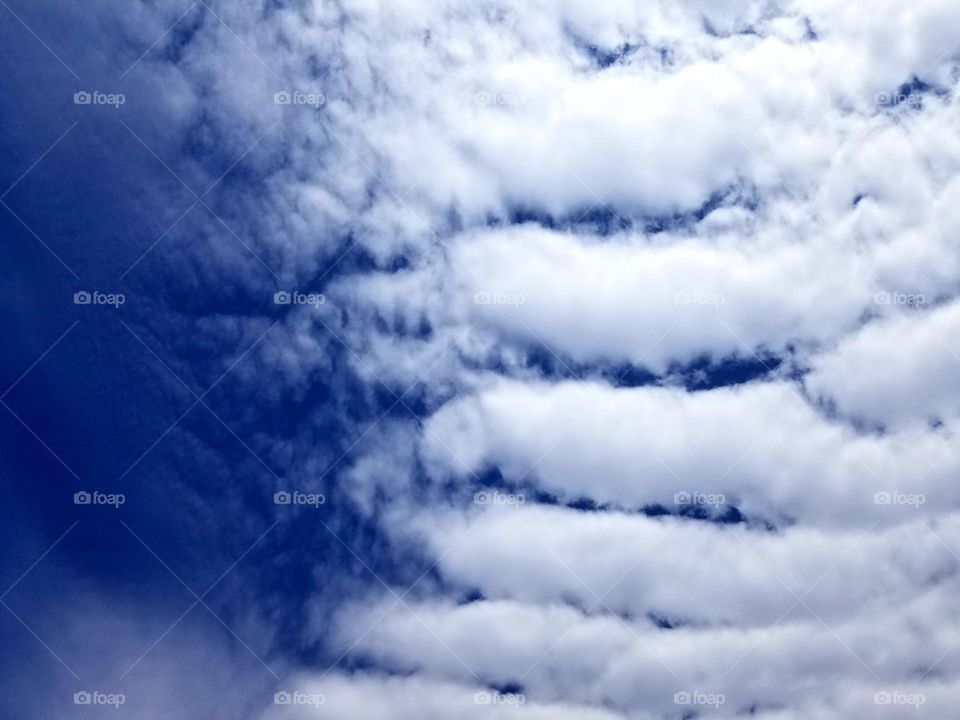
(833, 200)
(692, 573)
(793, 274)
(899, 372)
(382, 697)
(655, 303)
(555, 652)
(762, 446)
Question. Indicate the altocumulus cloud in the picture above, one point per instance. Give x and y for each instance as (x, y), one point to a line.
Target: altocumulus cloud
(585, 360)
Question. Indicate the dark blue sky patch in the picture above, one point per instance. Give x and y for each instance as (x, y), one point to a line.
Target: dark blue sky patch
(630, 376)
(606, 219)
(701, 374)
(664, 622)
(726, 514)
(604, 58)
(471, 596)
(742, 196)
(96, 199)
(512, 688)
(198, 482)
(704, 373)
(178, 40)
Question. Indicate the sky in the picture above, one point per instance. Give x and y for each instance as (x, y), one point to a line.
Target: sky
(444, 359)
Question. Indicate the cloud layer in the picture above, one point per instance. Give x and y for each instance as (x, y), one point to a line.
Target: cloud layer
(632, 387)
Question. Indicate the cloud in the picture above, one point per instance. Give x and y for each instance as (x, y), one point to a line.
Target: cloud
(556, 652)
(376, 696)
(899, 372)
(693, 573)
(762, 447)
(508, 207)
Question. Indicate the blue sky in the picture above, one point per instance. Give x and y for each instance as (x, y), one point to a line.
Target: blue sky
(458, 360)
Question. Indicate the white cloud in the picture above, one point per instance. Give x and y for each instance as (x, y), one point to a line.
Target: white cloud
(762, 446)
(693, 573)
(556, 652)
(378, 697)
(898, 372)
